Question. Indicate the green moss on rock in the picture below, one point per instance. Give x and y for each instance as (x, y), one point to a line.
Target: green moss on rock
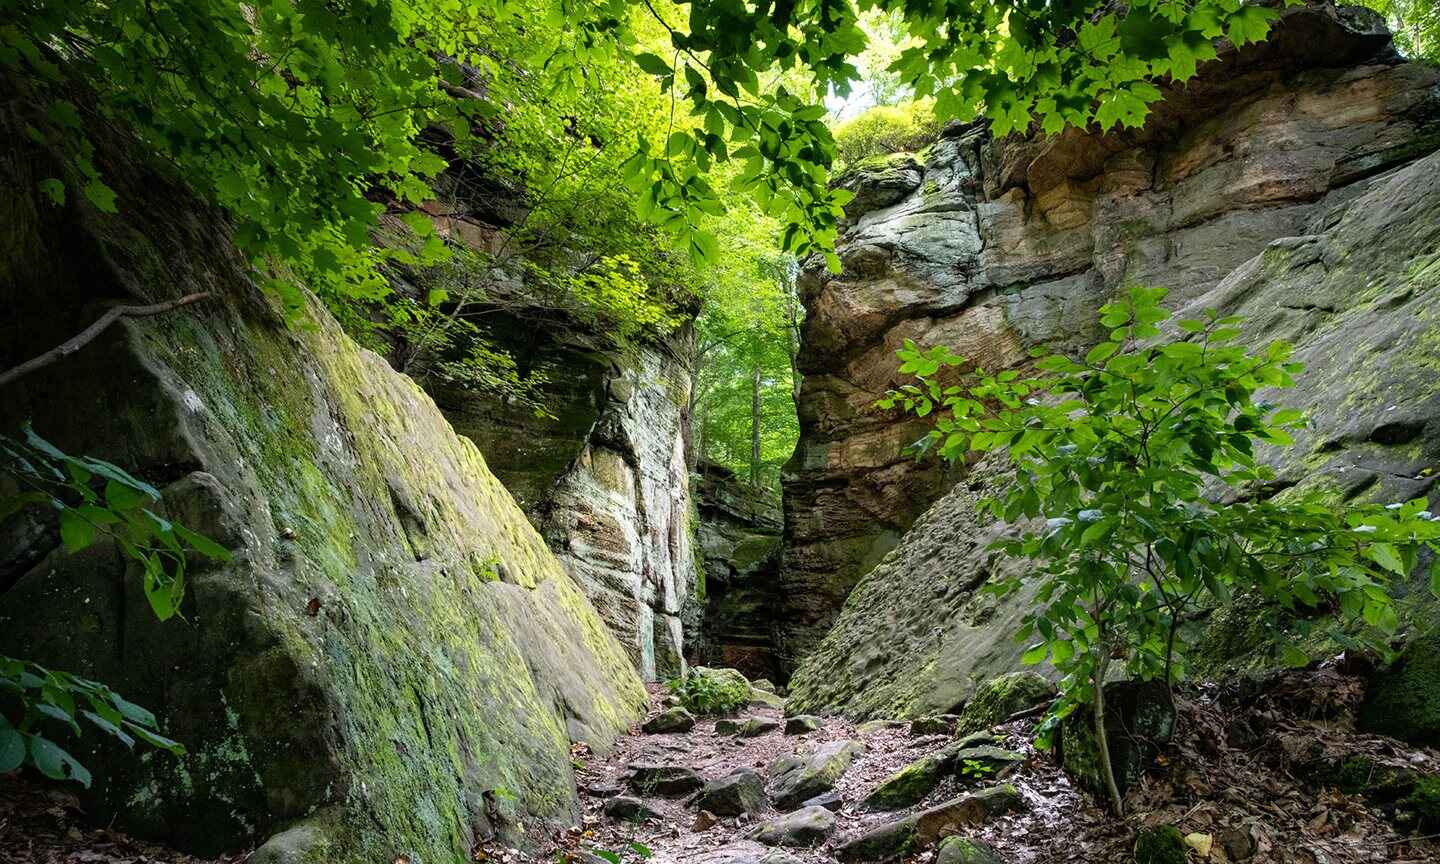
(1404, 700)
(1002, 697)
(1160, 844)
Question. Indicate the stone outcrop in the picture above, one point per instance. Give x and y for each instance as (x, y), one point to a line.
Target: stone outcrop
(1288, 183)
(604, 479)
(392, 661)
(739, 541)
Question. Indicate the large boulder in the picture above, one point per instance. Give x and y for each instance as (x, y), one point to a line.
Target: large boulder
(806, 827)
(1008, 245)
(891, 840)
(391, 662)
(734, 794)
(966, 850)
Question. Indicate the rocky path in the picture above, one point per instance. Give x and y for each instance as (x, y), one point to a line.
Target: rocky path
(761, 788)
(768, 789)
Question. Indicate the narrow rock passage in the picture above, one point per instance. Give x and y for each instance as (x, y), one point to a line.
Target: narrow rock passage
(753, 793)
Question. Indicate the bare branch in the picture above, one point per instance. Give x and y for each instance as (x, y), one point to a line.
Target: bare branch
(86, 336)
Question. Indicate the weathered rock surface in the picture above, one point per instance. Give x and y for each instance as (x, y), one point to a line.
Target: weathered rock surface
(739, 543)
(390, 646)
(602, 474)
(1001, 697)
(745, 852)
(893, 839)
(798, 778)
(667, 780)
(1287, 183)
(802, 724)
(733, 794)
(668, 721)
(806, 827)
(628, 809)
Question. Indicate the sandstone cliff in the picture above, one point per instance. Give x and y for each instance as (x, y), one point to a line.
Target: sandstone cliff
(1290, 175)
(392, 654)
(605, 480)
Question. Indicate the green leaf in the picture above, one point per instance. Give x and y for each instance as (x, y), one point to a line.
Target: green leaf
(1035, 654)
(1386, 556)
(202, 544)
(54, 190)
(1100, 353)
(55, 763)
(12, 749)
(1293, 657)
(102, 196)
(75, 532)
(652, 64)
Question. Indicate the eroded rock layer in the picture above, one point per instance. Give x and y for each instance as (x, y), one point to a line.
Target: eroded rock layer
(1288, 183)
(392, 655)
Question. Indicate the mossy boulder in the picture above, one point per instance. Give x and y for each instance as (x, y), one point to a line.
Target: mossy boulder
(391, 642)
(1002, 697)
(1160, 844)
(912, 783)
(1403, 701)
(1139, 720)
(804, 828)
(669, 721)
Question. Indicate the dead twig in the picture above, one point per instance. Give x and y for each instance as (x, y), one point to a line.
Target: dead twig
(88, 335)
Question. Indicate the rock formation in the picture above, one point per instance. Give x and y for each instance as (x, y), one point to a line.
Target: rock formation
(392, 655)
(1288, 183)
(739, 540)
(604, 478)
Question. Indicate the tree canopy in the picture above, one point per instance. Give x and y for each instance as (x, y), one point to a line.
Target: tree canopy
(309, 120)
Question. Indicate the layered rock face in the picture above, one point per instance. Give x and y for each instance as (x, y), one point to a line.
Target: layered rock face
(1272, 186)
(392, 654)
(605, 480)
(739, 538)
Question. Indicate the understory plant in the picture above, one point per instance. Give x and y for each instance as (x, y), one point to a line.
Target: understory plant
(91, 499)
(710, 694)
(1138, 496)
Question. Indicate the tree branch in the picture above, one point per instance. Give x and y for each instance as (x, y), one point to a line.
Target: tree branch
(86, 336)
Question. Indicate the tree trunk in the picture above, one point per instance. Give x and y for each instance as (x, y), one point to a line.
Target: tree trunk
(755, 426)
(1102, 738)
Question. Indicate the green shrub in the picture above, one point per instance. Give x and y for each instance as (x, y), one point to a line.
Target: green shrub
(887, 129)
(711, 691)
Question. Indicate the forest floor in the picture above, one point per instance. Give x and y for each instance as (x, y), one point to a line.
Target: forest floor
(1240, 770)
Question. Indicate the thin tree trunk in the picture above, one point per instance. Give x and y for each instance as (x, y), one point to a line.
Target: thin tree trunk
(1102, 738)
(755, 426)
